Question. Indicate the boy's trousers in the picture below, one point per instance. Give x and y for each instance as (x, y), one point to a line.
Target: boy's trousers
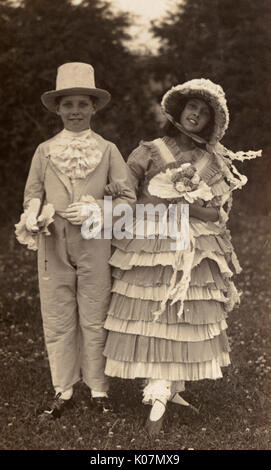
(75, 285)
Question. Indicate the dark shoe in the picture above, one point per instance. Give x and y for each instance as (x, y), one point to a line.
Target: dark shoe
(102, 404)
(154, 427)
(55, 409)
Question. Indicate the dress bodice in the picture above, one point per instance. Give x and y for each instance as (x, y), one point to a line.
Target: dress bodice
(146, 161)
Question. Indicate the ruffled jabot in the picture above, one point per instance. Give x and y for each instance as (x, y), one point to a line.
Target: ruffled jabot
(76, 154)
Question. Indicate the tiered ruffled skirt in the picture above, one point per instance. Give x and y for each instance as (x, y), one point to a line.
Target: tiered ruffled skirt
(193, 346)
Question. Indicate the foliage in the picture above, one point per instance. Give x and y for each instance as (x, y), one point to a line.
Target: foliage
(35, 38)
(224, 40)
(227, 41)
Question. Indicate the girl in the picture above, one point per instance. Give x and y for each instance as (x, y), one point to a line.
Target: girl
(69, 172)
(149, 336)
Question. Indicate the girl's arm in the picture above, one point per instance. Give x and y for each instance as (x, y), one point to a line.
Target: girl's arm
(138, 163)
(119, 174)
(205, 214)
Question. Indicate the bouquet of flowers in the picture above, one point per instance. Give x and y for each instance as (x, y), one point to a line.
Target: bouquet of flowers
(181, 182)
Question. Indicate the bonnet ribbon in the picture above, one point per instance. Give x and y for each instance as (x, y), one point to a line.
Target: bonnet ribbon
(223, 155)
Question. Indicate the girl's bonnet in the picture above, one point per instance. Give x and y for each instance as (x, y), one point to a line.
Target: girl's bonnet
(214, 95)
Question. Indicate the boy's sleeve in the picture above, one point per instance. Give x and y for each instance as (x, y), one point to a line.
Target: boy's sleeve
(34, 187)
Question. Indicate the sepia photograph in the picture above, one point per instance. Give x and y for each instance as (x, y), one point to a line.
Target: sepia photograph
(135, 244)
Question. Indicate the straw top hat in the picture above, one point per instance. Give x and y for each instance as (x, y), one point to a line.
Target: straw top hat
(75, 78)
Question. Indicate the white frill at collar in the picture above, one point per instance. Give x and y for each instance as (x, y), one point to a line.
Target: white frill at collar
(76, 154)
(66, 134)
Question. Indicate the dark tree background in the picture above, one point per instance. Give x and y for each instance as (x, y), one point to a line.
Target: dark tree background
(227, 41)
(35, 38)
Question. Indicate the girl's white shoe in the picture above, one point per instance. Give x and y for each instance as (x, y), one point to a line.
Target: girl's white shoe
(154, 422)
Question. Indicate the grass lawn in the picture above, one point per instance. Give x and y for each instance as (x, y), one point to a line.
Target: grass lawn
(234, 411)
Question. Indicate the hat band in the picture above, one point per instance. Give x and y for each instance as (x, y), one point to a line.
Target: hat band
(195, 137)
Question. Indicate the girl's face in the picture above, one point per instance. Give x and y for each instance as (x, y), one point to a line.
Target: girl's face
(195, 115)
(76, 112)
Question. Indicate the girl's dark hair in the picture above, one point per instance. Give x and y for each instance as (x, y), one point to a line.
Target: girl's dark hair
(176, 104)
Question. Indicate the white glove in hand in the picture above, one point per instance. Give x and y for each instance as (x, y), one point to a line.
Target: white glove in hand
(32, 223)
(78, 212)
(41, 221)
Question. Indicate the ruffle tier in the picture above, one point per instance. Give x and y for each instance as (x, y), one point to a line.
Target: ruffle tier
(196, 312)
(212, 243)
(205, 274)
(149, 227)
(179, 332)
(127, 260)
(135, 348)
(159, 292)
(169, 371)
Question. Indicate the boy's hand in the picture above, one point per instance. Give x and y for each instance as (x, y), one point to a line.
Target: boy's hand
(78, 212)
(34, 224)
(31, 223)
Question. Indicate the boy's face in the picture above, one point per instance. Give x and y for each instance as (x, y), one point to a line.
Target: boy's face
(76, 112)
(195, 115)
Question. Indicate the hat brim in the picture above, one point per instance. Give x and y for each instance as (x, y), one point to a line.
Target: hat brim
(49, 97)
(220, 109)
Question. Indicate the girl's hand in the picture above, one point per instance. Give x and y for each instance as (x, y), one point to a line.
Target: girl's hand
(203, 213)
(113, 189)
(196, 205)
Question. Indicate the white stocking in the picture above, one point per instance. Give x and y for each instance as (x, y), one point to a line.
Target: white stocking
(157, 392)
(179, 400)
(158, 409)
